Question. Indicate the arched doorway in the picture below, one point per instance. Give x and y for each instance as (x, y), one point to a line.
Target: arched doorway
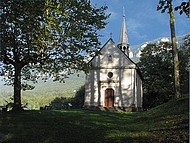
(109, 98)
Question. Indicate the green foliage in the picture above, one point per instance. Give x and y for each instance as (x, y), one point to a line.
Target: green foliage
(59, 103)
(9, 103)
(52, 38)
(163, 5)
(165, 123)
(184, 64)
(184, 7)
(78, 100)
(48, 39)
(156, 65)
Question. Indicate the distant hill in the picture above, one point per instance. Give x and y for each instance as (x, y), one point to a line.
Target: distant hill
(44, 92)
(68, 88)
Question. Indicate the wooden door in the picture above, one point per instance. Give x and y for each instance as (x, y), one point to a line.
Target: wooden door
(109, 98)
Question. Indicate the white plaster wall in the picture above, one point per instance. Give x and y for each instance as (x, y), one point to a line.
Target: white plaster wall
(88, 90)
(126, 87)
(91, 89)
(125, 82)
(139, 92)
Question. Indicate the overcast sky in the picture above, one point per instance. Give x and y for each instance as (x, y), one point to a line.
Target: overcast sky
(144, 22)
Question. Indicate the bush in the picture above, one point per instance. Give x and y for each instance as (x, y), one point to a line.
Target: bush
(78, 100)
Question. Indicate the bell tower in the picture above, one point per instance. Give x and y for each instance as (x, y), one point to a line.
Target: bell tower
(123, 41)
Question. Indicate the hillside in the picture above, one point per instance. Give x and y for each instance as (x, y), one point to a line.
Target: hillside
(165, 123)
(44, 92)
(59, 89)
(71, 84)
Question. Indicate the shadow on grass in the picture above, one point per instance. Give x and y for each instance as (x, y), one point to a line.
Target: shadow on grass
(67, 126)
(81, 126)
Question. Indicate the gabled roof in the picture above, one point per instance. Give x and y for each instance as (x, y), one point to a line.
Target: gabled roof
(102, 48)
(127, 57)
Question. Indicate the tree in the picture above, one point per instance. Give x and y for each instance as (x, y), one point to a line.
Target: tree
(167, 4)
(156, 65)
(184, 7)
(59, 103)
(78, 100)
(48, 39)
(184, 64)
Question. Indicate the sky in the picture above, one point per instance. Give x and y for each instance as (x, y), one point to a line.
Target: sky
(144, 23)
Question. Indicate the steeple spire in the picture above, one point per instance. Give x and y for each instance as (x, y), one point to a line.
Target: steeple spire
(123, 41)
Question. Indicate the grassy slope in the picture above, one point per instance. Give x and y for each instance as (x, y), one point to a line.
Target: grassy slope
(165, 123)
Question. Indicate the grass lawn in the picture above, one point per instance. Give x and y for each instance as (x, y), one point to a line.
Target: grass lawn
(165, 123)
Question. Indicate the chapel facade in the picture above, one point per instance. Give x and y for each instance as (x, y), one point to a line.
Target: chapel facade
(114, 80)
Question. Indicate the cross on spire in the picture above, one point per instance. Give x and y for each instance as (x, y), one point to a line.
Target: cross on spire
(111, 35)
(123, 12)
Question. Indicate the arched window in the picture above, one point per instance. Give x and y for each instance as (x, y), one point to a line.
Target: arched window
(109, 58)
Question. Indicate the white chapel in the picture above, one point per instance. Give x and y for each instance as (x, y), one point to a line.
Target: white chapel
(114, 80)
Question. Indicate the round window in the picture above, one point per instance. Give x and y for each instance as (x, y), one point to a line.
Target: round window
(110, 74)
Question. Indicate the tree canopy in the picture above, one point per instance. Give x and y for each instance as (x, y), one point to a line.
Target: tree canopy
(156, 65)
(48, 39)
(183, 8)
(157, 69)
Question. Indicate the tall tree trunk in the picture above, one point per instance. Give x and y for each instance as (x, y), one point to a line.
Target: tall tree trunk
(17, 88)
(175, 53)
